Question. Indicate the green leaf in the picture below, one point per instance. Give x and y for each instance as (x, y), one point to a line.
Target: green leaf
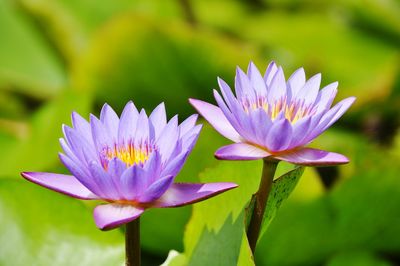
(361, 213)
(282, 187)
(37, 149)
(357, 258)
(40, 227)
(218, 224)
(27, 61)
(70, 24)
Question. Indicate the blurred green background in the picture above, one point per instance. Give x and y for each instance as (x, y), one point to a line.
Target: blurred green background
(57, 56)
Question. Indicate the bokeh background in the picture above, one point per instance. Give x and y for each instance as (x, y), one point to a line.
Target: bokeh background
(57, 56)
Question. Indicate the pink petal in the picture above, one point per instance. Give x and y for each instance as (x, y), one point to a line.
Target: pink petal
(65, 184)
(313, 157)
(180, 194)
(110, 216)
(216, 118)
(240, 151)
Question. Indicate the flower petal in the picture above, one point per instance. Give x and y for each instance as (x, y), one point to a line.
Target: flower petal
(309, 92)
(110, 216)
(104, 181)
(330, 117)
(188, 124)
(133, 182)
(142, 128)
(158, 119)
(127, 123)
(216, 118)
(110, 120)
(256, 80)
(65, 184)
(270, 73)
(156, 190)
(326, 96)
(240, 151)
(277, 89)
(313, 157)
(168, 139)
(243, 86)
(80, 173)
(279, 135)
(81, 126)
(296, 81)
(180, 194)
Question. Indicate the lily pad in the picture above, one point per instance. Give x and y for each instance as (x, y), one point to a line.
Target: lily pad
(40, 227)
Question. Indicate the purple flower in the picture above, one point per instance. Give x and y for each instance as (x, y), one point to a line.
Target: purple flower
(272, 117)
(129, 162)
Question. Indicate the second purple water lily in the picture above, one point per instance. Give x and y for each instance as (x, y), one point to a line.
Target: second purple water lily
(275, 118)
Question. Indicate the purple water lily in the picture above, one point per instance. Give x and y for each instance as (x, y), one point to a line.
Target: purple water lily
(129, 162)
(275, 118)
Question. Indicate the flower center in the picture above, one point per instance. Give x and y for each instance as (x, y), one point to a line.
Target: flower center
(130, 154)
(292, 111)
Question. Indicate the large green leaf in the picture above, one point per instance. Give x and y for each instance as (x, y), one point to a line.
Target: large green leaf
(218, 223)
(27, 62)
(40, 227)
(281, 189)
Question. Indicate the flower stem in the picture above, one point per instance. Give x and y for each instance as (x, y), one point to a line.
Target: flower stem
(253, 231)
(132, 243)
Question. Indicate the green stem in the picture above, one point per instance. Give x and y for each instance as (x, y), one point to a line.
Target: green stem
(132, 243)
(253, 231)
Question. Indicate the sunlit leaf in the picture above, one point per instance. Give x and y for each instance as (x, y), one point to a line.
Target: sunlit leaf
(281, 189)
(27, 62)
(40, 227)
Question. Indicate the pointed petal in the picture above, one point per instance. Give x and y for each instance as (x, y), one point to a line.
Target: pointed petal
(313, 157)
(240, 151)
(277, 91)
(81, 126)
(104, 181)
(142, 128)
(257, 80)
(158, 118)
(331, 117)
(110, 120)
(127, 123)
(309, 92)
(110, 216)
(156, 190)
(133, 182)
(65, 184)
(297, 81)
(80, 173)
(243, 86)
(279, 135)
(168, 139)
(188, 124)
(299, 129)
(261, 124)
(116, 168)
(180, 194)
(270, 73)
(173, 167)
(216, 118)
(100, 134)
(326, 96)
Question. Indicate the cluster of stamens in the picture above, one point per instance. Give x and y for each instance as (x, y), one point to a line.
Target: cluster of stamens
(292, 110)
(129, 153)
